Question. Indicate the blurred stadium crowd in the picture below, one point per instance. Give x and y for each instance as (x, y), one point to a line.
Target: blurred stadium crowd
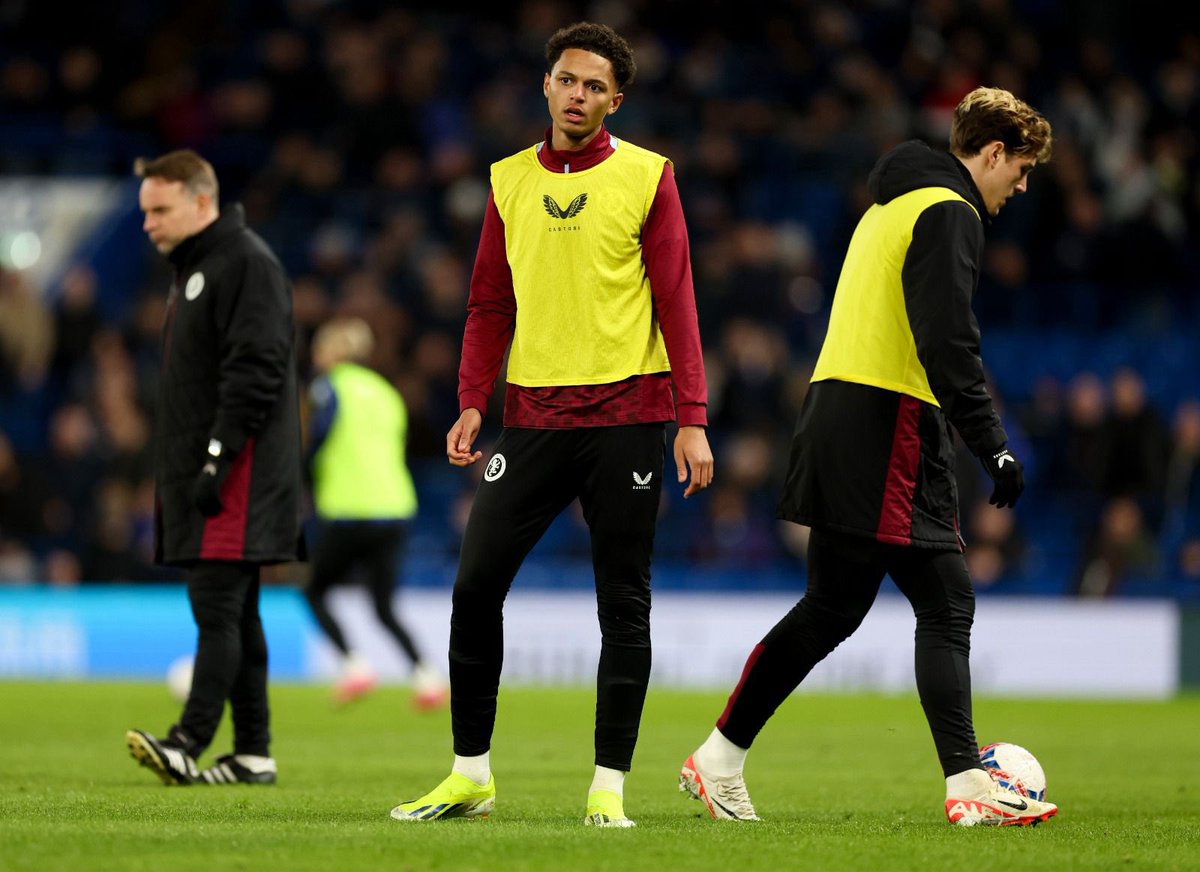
(358, 136)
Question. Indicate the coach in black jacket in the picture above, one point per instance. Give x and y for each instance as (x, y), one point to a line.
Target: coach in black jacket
(872, 460)
(227, 458)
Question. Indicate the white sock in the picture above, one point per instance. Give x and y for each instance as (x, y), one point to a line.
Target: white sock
(968, 784)
(720, 756)
(353, 663)
(478, 768)
(255, 763)
(425, 678)
(612, 780)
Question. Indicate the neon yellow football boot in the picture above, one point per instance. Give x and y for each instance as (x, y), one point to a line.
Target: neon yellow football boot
(606, 809)
(457, 796)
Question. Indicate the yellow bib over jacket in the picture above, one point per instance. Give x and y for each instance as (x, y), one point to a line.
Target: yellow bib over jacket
(869, 340)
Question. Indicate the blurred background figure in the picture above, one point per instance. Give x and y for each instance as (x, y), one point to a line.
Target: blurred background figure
(1121, 547)
(364, 498)
(20, 489)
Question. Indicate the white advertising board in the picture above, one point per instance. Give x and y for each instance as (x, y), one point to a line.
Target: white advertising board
(1020, 647)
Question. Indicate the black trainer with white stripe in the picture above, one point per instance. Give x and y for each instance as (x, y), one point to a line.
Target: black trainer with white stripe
(166, 759)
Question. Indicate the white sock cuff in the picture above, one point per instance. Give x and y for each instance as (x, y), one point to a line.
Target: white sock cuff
(425, 677)
(255, 763)
(968, 784)
(477, 768)
(720, 756)
(609, 779)
(353, 662)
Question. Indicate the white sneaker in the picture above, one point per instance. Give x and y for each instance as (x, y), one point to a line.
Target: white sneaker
(357, 679)
(998, 807)
(430, 690)
(354, 685)
(725, 797)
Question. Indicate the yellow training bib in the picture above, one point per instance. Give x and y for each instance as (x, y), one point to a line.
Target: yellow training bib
(574, 243)
(869, 340)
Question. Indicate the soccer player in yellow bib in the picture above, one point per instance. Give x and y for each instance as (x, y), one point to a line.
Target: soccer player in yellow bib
(872, 460)
(583, 268)
(364, 497)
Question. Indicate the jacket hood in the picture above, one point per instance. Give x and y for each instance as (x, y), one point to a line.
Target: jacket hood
(913, 165)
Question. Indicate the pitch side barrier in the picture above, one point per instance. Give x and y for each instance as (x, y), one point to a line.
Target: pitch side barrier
(1109, 649)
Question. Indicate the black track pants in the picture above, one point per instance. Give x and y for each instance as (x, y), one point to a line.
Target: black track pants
(533, 475)
(844, 575)
(374, 547)
(231, 658)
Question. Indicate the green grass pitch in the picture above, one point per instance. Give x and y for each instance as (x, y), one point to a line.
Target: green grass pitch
(843, 782)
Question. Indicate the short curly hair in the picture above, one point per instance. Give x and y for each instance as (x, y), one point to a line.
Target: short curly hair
(599, 39)
(993, 114)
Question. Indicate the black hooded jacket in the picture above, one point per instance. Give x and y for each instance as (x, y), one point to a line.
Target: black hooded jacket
(877, 462)
(228, 373)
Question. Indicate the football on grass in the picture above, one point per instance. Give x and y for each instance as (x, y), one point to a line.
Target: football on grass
(179, 678)
(1014, 768)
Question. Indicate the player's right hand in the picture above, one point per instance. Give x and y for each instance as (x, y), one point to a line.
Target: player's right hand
(462, 436)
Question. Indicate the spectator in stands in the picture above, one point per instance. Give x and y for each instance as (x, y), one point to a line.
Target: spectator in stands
(26, 333)
(74, 467)
(110, 552)
(1078, 471)
(994, 544)
(996, 548)
(1137, 446)
(1181, 499)
(23, 496)
(1121, 547)
(738, 527)
(76, 321)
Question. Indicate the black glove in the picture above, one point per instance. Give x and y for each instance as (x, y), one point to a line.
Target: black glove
(206, 490)
(1008, 473)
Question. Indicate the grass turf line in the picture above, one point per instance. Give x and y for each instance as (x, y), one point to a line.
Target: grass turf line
(843, 782)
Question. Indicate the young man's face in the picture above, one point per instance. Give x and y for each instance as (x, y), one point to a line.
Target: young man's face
(1003, 177)
(172, 212)
(580, 91)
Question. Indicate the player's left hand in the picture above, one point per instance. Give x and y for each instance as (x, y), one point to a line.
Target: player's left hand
(692, 451)
(206, 489)
(1008, 473)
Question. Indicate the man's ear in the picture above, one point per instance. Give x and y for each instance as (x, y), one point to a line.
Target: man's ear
(618, 98)
(546, 86)
(995, 151)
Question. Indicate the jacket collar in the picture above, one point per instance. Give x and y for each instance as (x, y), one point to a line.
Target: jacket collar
(973, 195)
(231, 220)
